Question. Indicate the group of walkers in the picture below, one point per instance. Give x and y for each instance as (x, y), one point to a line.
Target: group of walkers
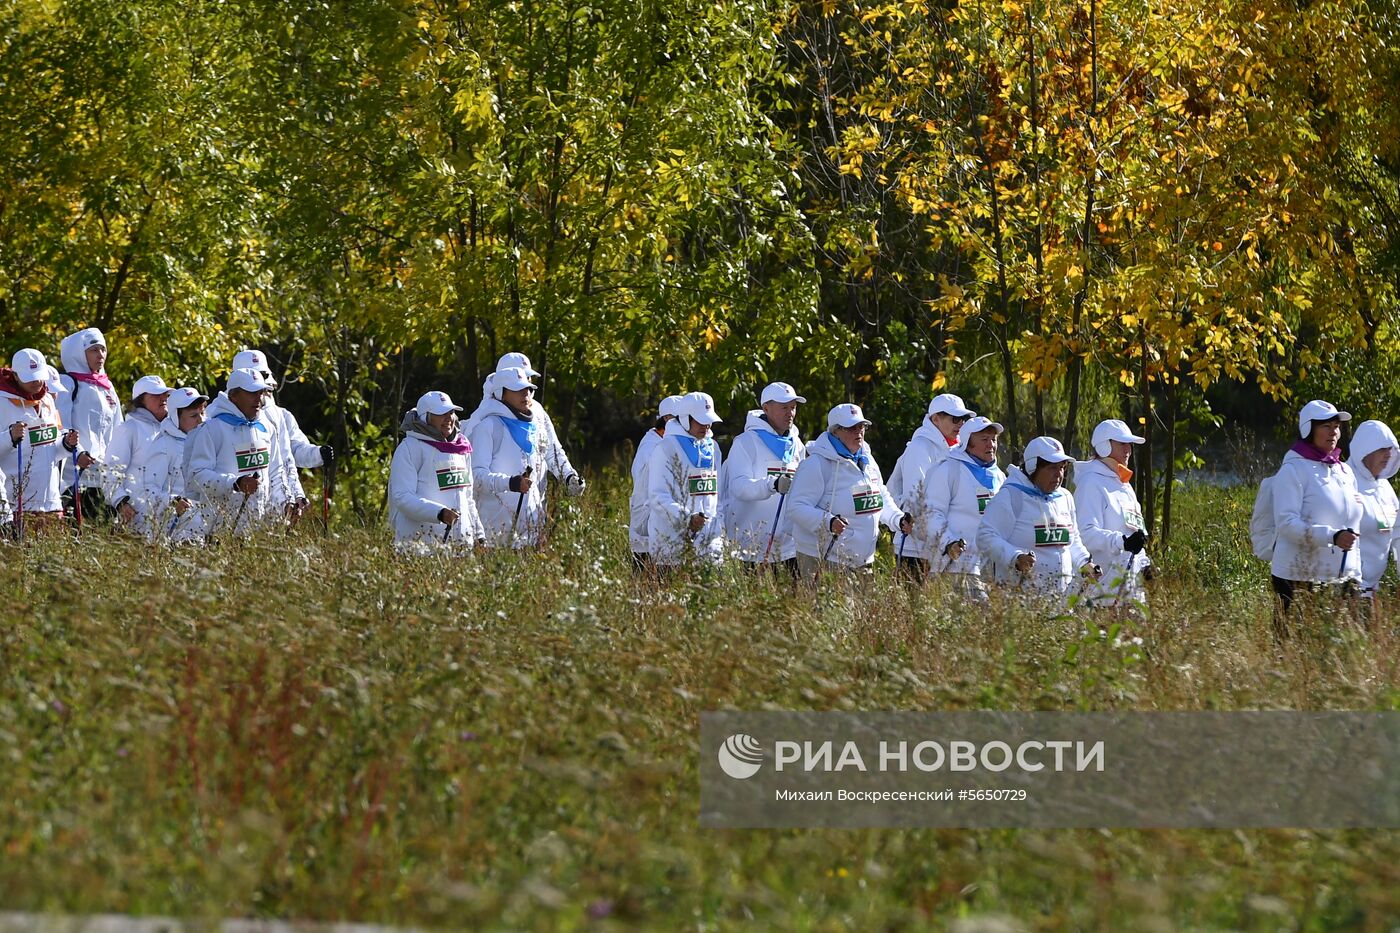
(180, 466)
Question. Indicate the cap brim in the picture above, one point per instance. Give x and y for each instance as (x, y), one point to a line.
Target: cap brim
(842, 424)
(443, 411)
(1055, 458)
(706, 419)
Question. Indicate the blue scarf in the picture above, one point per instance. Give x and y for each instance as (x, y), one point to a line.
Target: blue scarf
(1035, 491)
(522, 432)
(859, 458)
(237, 422)
(784, 447)
(985, 471)
(700, 452)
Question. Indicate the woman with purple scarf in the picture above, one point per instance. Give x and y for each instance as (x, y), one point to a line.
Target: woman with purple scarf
(430, 479)
(1317, 510)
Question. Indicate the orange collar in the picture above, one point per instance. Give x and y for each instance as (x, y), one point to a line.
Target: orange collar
(1125, 474)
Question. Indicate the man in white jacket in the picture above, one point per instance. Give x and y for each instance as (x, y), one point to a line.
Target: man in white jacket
(39, 451)
(639, 505)
(1317, 511)
(1375, 458)
(930, 445)
(292, 450)
(431, 503)
(90, 405)
(1030, 532)
(757, 478)
(131, 445)
(552, 452)
(838, 500)
(958, 492)
(162, 508)
(1110, 518)
(228, 458)
(683, 488)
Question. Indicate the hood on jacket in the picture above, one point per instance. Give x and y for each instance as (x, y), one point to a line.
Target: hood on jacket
(170, 424)
(756, 422)
(72, 350)
(143, 414)
(222, 406)
(1015, 476)
(494, 406)
(673, 427)
(928, 432)
(412, 424)
(822, 447)
(1081, 470)
(1370, 437)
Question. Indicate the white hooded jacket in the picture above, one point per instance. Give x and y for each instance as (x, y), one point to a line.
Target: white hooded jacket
(1379, 505)
(426, 477)
(162, 481)
(1021, 519)
(748, 498)
(127, 453)
(952, 508)
(496, 457)
(41, 452)
(911, 486)
(92, 411)
(676, 490)
(1312, 502)
(217, 454)
(292, 451)
(1108, 511)
(639, 507)
(827, 485)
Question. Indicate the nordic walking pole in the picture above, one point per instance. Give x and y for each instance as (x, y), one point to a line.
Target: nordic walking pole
(776, 515)
(518, 503)
(77, 492)
(326, 499)
(19, 490)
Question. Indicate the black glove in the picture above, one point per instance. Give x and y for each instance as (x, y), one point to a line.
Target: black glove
(515, 482)
(327, 455)
(1135, 542)
(1149, 573)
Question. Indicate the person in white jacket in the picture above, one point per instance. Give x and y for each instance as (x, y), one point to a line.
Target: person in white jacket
(163, 511)
(639, 505)
(1110, 518)
(1030, 532)
(131, 446)
(683, 488)
(293, 450)
(39, 451)
(431, 501)
(930, 445)
(90, 405)
(839, 500)
(1317, 512)
(1375, 458)
(508, 447)
(757, 478)
(957, 493)
(228, 457)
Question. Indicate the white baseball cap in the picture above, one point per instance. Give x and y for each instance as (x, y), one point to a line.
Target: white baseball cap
(29, 365)
(949, 404)
(972, 426)
(249, 380)
(698, 406)
(1318, 410)
(513, 378)
(670, 406)
(434, 403)
(781, 393)
(149, 385)
(846, 416)
(91, 337)
(184, 397)
(1044, 448)
(1113, 430)
(516, 361)
(255, 360)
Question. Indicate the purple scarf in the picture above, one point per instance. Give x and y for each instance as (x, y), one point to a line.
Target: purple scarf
(1307, 451)
(457, 446)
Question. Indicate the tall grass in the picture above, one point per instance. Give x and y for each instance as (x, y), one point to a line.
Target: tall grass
(314, 728)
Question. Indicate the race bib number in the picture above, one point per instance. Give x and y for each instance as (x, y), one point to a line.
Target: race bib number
(454, 478)
(867, 500)
(41, 434)
(780, 471)
(703, 484)
(1133, 519)
(254, 459)
(1384, 522)
(1051, 535)
(982, 499)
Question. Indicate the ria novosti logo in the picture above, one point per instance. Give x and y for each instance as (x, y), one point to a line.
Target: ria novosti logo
(740, 756)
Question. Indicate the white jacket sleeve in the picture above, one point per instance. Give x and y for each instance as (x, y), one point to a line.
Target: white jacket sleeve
(1078, 553)
(403, 485)
(666, 492)
(995, 530)
(748, 481)
(117, 463)
(806, 499)
(305, 455)
(1289, 523)
(555, 459)
(484, 438)
(942, 488)
(1091, 506)
(154, 493)
(64, 400)
(891, 514)
(203, 470)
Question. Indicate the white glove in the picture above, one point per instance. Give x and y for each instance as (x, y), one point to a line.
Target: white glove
(782, 483)
(574, 484)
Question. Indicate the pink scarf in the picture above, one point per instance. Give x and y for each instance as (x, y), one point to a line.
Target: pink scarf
(1307, 451)
(100, 380)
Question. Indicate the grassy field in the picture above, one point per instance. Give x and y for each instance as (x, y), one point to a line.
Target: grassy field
(317, 729)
